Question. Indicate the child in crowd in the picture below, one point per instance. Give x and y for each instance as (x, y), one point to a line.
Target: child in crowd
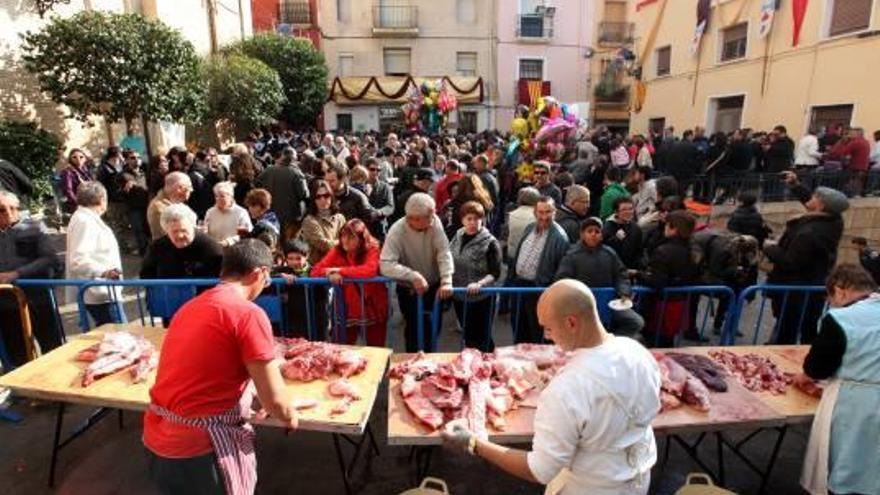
(747, 220)
(295, 265)
(266, 224)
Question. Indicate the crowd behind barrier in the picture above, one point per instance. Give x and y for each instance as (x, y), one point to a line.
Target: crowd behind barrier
(159, 299)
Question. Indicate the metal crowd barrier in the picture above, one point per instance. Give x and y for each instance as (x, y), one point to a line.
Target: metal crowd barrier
(164, 296)
(783, 294)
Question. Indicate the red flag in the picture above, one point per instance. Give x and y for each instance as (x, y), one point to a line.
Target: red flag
(799, 9)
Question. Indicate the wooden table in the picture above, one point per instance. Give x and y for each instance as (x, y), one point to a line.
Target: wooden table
(56, 376)
(736, 409)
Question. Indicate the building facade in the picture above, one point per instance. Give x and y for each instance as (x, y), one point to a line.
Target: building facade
(815, 66)
(613, 38)
(290, 17)
(374, 47)
(207, 24)
(546, 43)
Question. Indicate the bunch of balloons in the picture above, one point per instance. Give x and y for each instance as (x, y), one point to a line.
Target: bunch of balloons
(429, 106)
(543, 130)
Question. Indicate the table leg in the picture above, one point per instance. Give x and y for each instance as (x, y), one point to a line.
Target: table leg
(423, 461)
(720, 446)
(347, 466)
(59, 420)
(692, 450)
(774, 455)
(342, 464)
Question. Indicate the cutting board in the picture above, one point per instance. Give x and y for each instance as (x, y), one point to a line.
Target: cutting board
(56, 376)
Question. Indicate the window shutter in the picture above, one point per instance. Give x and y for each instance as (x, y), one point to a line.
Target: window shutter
(615, 11)
(848, 16)
(664, 56)
(466, 11)
(466, 63)
(397, 61)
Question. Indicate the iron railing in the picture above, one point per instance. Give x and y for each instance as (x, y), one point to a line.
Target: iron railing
(616, 32)
(395, 17)
(295, 12)
(536, 26)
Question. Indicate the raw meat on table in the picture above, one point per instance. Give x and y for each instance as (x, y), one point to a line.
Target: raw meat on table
(343, 388)
(307, 361)
(304, 403)
(474, 387)
(116, 352)
(677, 386)
(703, 368)
(341, 407)
(755, 372)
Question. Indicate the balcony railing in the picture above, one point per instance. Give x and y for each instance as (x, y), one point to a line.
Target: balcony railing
(295, 12)
(616, 32)
(616, 94)
(536, 26)
(395, 19)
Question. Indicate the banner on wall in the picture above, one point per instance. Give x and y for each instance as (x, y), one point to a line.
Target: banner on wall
(799, 10)
(768, 12)
(703, 9)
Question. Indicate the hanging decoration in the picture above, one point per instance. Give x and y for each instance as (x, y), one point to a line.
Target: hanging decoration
(703, 10)
(799, 10)
(768, 12)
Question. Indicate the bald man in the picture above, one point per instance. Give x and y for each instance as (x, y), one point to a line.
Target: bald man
(593, 422)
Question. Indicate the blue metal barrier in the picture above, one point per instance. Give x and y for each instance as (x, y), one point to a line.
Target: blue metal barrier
(50, 284)
(783, 292)
(710, 291)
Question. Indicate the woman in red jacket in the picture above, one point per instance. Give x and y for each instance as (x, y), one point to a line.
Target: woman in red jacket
(356, 256)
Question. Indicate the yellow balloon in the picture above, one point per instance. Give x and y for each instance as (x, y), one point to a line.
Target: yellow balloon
(428, 102)
(520, 128)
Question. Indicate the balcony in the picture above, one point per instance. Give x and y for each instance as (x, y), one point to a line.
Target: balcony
(611, 95)
(296, 12)
(616, 33)
(534, 27)
(396, 20)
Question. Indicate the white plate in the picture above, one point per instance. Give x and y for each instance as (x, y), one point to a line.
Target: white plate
(620, 304)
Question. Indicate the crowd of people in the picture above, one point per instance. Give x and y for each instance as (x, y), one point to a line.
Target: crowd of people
(436, 214)
(466, 211)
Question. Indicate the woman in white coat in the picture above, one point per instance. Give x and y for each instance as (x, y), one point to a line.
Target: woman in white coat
(93, 254)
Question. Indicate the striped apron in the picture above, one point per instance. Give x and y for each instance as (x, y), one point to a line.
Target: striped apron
(233, 440)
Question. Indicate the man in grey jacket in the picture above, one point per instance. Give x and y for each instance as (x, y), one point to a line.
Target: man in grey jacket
(542, 246)
(597, 265)
(416, 254)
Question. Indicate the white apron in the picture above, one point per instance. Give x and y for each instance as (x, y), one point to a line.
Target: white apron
(636, 456)
(814, 475)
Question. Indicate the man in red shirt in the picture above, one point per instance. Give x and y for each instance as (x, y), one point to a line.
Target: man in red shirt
(855, 151)
(196, 428)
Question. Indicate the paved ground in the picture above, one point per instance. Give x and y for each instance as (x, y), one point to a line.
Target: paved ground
(107, 460)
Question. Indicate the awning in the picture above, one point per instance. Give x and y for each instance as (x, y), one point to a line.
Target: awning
(395, 89)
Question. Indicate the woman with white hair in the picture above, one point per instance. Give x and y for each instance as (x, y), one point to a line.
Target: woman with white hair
(93, 254)
(182, 252)
(226, 219)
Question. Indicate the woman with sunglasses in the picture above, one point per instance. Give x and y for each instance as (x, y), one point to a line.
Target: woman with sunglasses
(357, 257)
(320, 230)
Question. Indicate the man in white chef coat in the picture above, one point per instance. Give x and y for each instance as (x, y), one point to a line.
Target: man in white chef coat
(593, 422)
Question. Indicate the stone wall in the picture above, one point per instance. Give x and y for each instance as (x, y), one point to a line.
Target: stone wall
(862, 219)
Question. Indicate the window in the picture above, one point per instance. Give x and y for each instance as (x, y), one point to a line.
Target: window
(346, 62)
(343, 122)
(664, 60)
(828, 116)
(397, 61)
(656, 125)
(849, 16)
(466, 63)
(343, 10)
(531, 68)
(466, 11)
(467, 121)
(733, 42)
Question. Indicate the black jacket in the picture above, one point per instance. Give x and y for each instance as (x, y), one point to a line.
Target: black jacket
(12, 179)
(682, 161)
(354, 204)
(779, 156)
(748, 221)
(570, 221)
(491, 184)
(807, 250)
(720, 263)
(671, 265)
(596, 267)
(201, 259)
(628, 244)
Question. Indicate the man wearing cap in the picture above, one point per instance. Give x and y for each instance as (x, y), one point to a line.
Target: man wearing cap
(597, 265)
(804, 255)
